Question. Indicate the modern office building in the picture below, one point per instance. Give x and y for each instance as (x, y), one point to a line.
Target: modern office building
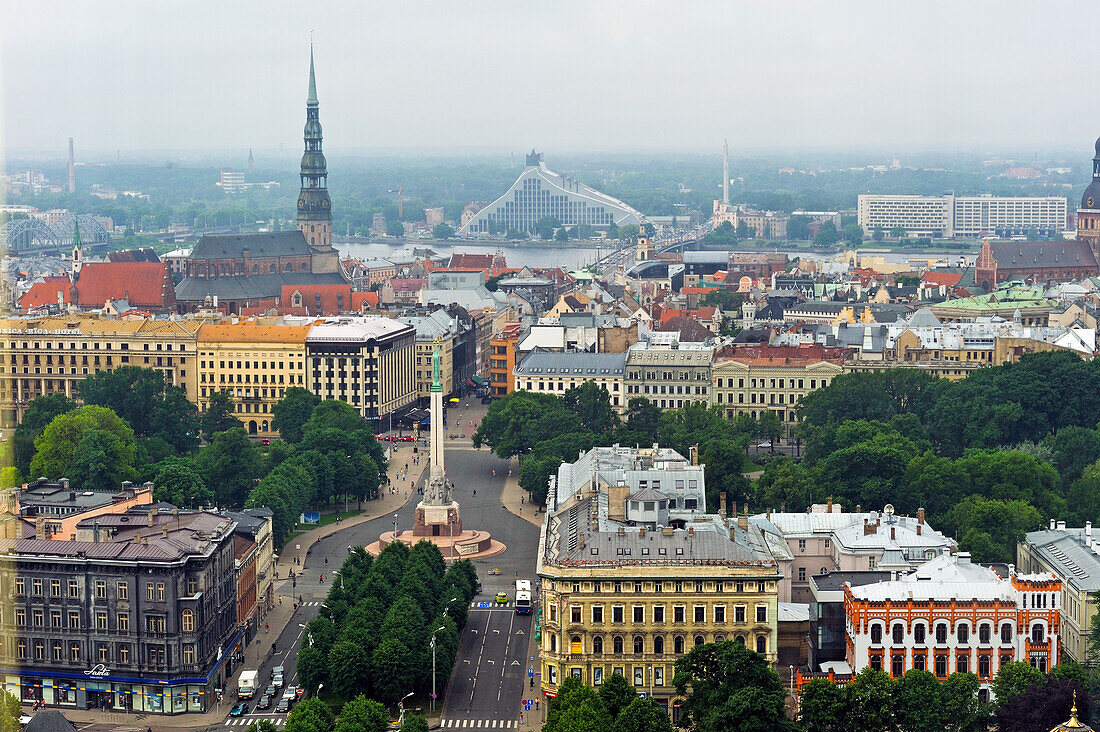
(540, 192)
(368, 362)
(137, 614)
(635, 572)
(950, 216)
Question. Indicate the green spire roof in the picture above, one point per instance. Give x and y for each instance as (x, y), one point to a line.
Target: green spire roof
(312, 79)
(76, 235)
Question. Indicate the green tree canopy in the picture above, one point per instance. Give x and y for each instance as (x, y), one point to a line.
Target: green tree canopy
(151, 407)
(57, 446)
(219, 415)
(231, 464)
(40, 412)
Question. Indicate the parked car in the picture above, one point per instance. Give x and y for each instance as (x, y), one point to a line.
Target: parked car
(264, 702)
(265, 441)
(238, 709)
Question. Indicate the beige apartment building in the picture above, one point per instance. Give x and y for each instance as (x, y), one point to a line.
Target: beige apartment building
(752, 379)
(549, 372)
(255, 361)
(40, 356)
(634, 572)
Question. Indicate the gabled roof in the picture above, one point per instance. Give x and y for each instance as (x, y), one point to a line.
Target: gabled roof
(318, 299)
(142, 284)
(254, 287)
(947, 279)
(268, 244)
(689, 330)
(45, 293)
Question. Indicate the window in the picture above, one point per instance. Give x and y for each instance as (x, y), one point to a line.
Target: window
(963, 633)
(124, 655)
(74, 619)
(100, 589)
(597, 613)
(719, 613)
(617, 644)
(74, 652)
(699, 640)
(639, 677)
(962, 664)
(55, 588)
(678, 644)
(575, 614)
(55, 651)
(123, 590)
(801, 574)
(876, 633)
(677, 613)
(20, 586)
(983, 633)
(639, 645)
(801, 545)
(761, 613)
(192, 586)
(658, 613)
(150, 591)
(897, 666)
(898, 634)
(103, 655)
(941, 666)
(597, 645)
(124, 622)
(575, 645)
(22, 646)
(55, 618)
(37, 617)
(918, 633)
(739, 614)
(639, 614)
(984, 665)
(761, 644)
(1037, 633)
(1006, 633)
(101, 620)
(597, 676)
(552, 673)
(941, 633)
(918, 663)
(616, 613)
(700, 614)
(659, 644)
(876, 662)
(658, 675)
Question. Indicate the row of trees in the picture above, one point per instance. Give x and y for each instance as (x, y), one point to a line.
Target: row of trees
(377, 622)
(989, 457)
(358, 715)
(544, 430)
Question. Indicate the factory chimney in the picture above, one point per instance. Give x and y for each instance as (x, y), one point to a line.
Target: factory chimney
(72, 168)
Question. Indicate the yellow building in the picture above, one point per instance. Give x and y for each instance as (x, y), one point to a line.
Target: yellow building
(634, 572)
(751, 379)
(424, 351)
(40, 356)
(548, 372)
(255, 361)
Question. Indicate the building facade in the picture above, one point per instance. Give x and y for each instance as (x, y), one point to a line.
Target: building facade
(545, 372)
(255, 361)
(950, 216)
(41, 356)
(752, 379)
(138, 614)
(634, 572)
(368, 362)
(540, 192)
(502, 360)
(668, 376)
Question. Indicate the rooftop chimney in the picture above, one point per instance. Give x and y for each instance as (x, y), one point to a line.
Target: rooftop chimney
(743, 521)
(962, 558)
(1088, 529)
(641, 532)
(920, 515)
(1061, 525)
(691, 531)
(722, 504)
(829, 505)
(734, 506)
(919, 527)
(868, 527)
(893, 533)
(1052, 524)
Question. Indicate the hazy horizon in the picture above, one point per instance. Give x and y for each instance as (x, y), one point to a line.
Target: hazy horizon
(493, 78)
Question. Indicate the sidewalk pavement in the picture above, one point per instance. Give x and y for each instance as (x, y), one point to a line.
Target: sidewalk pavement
(515, 498)
(278, 617)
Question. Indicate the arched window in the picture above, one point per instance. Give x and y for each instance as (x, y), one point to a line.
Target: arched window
(188, 654)
(941, 666)
(962, 664)
(963, 633)
(740, 639)
(761, 644)
(719, 638)
(659, 644)
(288, 267)
(1006, 633)
(918, 662)
(617, 644)
(918, 633)
(553, 643)
(188, 621)
(639, 645)
(678, 644)
(941, 633)
(876, 633)
(898, 632)
(575, 645)
(1037, 633)
(897, 666)
(699, 640)
(255, 269)
(597, 645)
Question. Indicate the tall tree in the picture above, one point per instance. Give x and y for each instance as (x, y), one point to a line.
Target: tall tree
(219, 415)
(99, 462)
(732, 687)
(57, 445)
(40, 412)
(292, 412)
(363, 715)
(617, 693)
(150, 406)
(592, 405)
(311, 715)
(230, 465)
(642, 715)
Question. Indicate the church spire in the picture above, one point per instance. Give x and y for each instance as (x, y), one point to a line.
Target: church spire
(314, 205)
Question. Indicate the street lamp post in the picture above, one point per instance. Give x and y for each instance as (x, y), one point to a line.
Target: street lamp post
(395, 527)
(401, 707)
(433, 663)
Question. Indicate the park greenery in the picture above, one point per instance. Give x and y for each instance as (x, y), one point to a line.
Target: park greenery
(372, 640)
(544, 430)
(615, 707)
(134, 427)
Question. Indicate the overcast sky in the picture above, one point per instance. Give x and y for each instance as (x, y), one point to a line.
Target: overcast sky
(594, 75)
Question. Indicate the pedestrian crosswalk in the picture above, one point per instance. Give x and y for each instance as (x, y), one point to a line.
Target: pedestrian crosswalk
(478, 723)
(245, 721)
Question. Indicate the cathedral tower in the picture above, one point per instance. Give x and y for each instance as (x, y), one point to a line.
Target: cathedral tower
(314, 206)
(1088, 216)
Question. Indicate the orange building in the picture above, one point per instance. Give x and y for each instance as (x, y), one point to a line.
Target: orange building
(502, 360)
(245, 553)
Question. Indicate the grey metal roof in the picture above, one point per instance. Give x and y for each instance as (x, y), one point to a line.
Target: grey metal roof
(837, 580)
(1064, 551)
(1041, 254)
(267, 244)
(241, 287)
(547, 363)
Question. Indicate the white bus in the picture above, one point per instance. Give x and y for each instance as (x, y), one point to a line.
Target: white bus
(523, 597)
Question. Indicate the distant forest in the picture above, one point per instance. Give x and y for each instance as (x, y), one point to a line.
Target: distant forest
(657, 184)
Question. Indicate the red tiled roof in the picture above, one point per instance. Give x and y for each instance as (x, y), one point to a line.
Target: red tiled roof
(670, 313)
(947, 279)
(408, 284)
(43, 294)
(697, 290)
(464, 260)
(705, 313)
(358, 299)
(318, 299)
(142, 284)
(804, 354)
